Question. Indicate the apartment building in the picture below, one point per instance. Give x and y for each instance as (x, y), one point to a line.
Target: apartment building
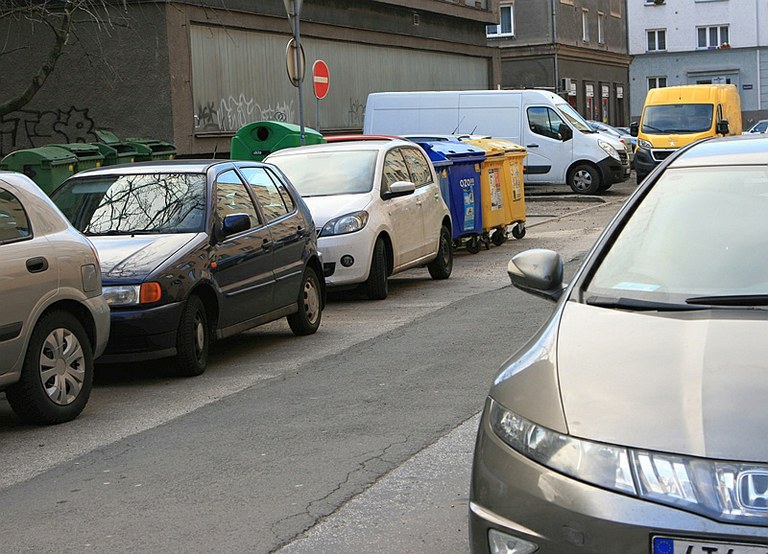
(192, 72)
(577, 48)
(679, 42)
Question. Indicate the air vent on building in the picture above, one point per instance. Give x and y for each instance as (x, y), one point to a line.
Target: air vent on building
(416, 19)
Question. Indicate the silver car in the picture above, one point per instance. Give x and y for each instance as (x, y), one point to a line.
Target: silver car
(633, 421)
(53, 318)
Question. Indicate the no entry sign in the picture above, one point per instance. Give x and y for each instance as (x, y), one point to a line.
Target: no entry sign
(321, 79)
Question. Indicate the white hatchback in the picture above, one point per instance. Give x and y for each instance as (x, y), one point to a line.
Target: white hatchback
(377, 209)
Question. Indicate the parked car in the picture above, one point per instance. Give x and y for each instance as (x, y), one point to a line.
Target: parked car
(759, 127)
(626, 139)
(54, 320)
(378, 209)
(196, 250)
(630, 422)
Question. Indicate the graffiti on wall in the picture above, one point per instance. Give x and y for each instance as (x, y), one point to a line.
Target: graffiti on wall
(30, 128)
(356, 112)
(229, 114)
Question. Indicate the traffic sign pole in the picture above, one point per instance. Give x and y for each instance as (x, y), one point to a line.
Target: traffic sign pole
(293, 8)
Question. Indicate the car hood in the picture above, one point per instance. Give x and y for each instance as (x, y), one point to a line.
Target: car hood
(325, 208)
(126, 257)
(691, 383)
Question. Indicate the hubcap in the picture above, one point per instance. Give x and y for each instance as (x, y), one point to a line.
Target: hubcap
(582, 180)
(199, 335)
(311, 301)
(62, 366)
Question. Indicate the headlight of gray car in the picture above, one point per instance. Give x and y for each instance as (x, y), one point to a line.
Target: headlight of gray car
(609, 149)
(726, 491)
(345, 224)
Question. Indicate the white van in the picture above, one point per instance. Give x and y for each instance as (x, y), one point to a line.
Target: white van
(562, 147)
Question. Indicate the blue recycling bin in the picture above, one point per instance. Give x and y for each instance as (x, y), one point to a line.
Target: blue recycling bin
(462, 164)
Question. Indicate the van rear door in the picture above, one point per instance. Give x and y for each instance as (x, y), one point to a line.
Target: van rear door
(549, 142)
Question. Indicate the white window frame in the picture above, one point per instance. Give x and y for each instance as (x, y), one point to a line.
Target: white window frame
(600, 28)
(585, 25)
(656, 82)
(708, 33)
(507, 8)
(655, 40)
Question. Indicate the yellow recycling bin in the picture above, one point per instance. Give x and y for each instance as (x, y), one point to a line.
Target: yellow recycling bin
(501, 189)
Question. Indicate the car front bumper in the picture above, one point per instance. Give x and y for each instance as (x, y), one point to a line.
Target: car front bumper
(143, 334)
(613, 171)
(524, 500)
(358, 245)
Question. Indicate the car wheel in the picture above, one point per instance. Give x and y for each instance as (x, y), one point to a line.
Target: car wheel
(192, 338)
(57, 374)
(584, 179)
(518, 231)
(442, 265)
(376, 287)
(307, 319)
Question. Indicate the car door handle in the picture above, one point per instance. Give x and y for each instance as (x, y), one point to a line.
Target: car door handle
(531, 145)
(267, 244)
(36, 265)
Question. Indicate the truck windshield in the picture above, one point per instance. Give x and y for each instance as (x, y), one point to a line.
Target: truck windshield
(574, 118)
(677, 118)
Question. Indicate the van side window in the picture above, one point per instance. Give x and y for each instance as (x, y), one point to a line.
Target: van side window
(545, 121)
(394, 170)
(418, 167)
(14, 224)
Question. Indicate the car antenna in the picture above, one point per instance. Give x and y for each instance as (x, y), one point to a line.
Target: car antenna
(215, 149)
(456, 130)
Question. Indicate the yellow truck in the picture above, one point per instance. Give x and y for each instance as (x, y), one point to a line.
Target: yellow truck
(674, 117)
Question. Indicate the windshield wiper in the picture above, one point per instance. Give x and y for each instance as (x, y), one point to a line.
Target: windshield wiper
(130, 232)
(730, 300)
(639, 305)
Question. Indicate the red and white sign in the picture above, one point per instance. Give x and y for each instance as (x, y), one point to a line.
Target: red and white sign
(321, 79)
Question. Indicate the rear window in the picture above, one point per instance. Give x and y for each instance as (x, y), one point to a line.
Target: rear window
(14, 224)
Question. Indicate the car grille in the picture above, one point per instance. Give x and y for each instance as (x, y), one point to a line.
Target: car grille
(623, 157)
(661, 155)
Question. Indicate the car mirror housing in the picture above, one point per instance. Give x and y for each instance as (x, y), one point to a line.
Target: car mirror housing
(539, 272)
(400, 188)
(565, 132)
(722, 127)
(235, 223)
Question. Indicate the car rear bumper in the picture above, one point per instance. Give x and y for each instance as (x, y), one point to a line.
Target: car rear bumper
(143, 334)
(102, 322)
(522, 499)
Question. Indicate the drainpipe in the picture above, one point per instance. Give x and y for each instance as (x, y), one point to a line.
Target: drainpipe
(757, 56)
(554, 43)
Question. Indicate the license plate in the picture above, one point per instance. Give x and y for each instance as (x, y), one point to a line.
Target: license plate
(668, 545)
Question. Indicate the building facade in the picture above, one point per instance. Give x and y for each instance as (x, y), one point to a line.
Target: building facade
(577, 48)
(685, 42)
(192, 72)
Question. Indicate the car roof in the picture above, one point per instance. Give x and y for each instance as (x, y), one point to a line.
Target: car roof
(165, 166)
(357, 145)
(725, 151)
(19, 181)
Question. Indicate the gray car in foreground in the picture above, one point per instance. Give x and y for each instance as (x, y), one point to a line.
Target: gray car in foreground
(53, 318)
(634, 421)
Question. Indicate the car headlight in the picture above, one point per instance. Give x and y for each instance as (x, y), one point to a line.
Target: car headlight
(345, 224)
(132, 295)
(727, 491)
(609, 149)
(644, 144)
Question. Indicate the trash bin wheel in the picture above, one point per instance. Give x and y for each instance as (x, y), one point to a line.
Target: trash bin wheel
(518, 231)
(473, 244)
(499, 237)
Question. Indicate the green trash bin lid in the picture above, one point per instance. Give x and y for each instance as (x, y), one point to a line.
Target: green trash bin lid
(43, 156)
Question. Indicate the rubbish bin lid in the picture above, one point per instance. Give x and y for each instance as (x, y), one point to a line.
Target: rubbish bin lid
(459, 151)
(52, 154)
(489, 144)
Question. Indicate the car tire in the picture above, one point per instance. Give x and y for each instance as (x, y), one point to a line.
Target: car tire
(49, 392)
(442, 265)
(192, 339)
(376, 286)
(584, 179)
(307, 320)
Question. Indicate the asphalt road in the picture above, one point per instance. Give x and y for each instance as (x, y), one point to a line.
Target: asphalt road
(365, 428)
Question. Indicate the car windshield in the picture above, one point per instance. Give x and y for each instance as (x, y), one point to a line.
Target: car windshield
(699, 232)
(326, 173)
(130, 204)
(677, 118)
(574, 118)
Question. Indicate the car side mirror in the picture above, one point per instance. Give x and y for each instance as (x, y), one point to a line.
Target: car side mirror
(634, 127)
(722, 127)
(565, 132)
(400, 188)
(538, 272)
(235, 223)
